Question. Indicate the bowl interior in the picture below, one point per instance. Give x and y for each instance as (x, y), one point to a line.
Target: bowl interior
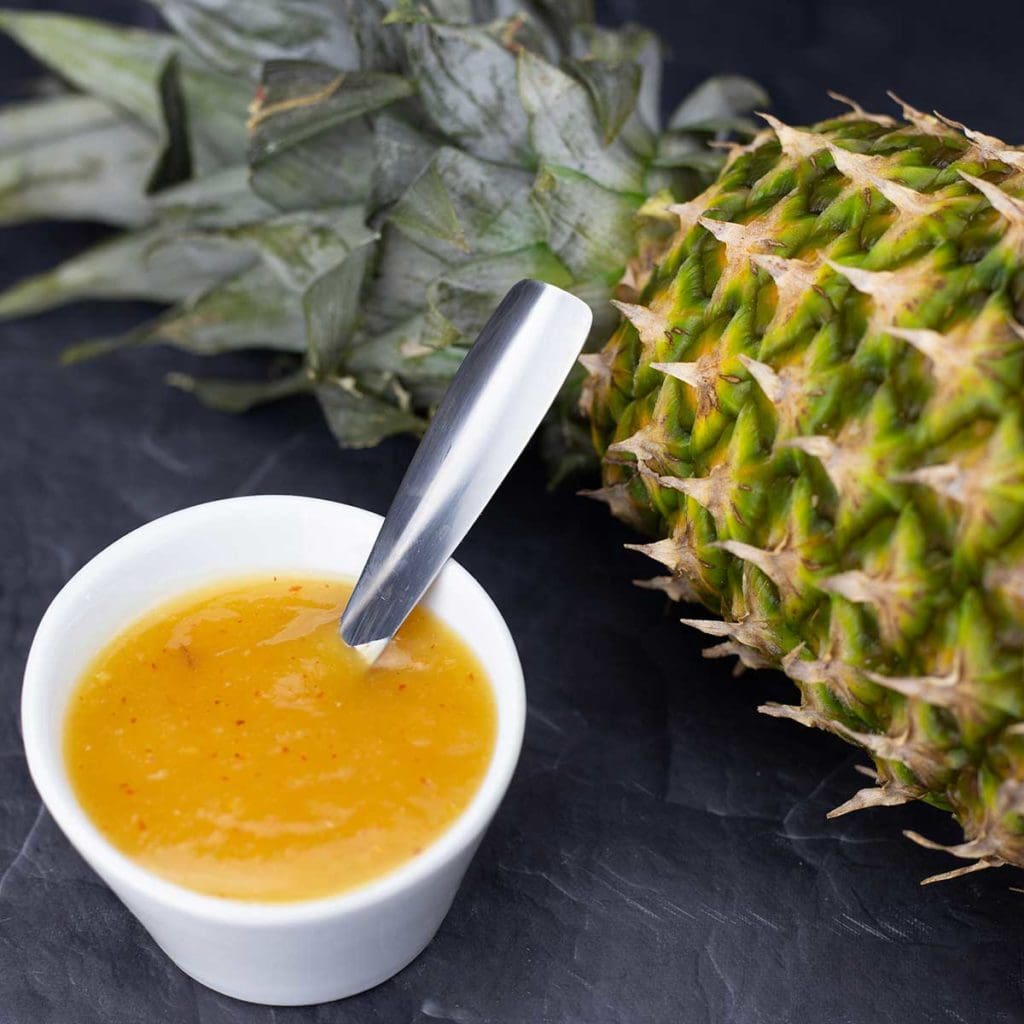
(222, 540)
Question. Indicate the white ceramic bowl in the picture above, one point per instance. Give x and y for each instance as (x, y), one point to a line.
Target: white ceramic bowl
(283, 953)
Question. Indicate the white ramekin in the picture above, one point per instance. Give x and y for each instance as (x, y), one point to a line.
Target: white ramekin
(283, 953)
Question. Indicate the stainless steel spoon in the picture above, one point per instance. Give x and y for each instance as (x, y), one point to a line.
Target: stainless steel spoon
(491, 408)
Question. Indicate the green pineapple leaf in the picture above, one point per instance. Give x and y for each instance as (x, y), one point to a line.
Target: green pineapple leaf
(174, 163)
(120, 65)
(403, 273)
(331, 308)
(150, 264)
(35, 121)
(465, 296)
(426, 213)
(195, 114)
(309, 145)
(300, 247)
(133, 70)
(93, 163)
(682, 151)
(253, 310)
(589, 224)
(379, 43)
(239, 36)
(566, 16)
(720, 98)
(630, 44)
(564, 128)
(400, 352)
(613, 89)
(237, 396)
(467, 83)
(401, 152)
(216, 111)
(361, 420)
(219, 200)
(461, 206)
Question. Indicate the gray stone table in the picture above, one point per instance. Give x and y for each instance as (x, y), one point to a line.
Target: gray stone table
(663, 853)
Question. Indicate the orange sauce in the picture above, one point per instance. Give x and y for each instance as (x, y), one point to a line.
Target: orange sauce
(230, 742)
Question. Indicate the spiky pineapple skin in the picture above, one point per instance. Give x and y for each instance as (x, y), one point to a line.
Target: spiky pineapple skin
(816, 407)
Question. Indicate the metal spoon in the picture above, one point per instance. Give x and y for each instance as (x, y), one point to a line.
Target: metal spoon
(488, 414)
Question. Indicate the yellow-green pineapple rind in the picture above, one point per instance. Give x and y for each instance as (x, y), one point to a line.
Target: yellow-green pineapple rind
(816, 405)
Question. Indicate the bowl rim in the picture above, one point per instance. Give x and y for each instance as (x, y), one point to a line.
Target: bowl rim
(46, 764)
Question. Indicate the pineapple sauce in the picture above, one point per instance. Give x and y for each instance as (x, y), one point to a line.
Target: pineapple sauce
(230, 742)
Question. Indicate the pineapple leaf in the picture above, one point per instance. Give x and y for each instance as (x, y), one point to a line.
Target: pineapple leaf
(131, 69)
(195, 114)
(307, 147)
(564, 16)
(723, 97)
(590, 227)
(253, 310)
(331, 308)
(426, 213)
(222, 199)
(613, 88)
(565, 131)
(467, 83)
(300, 247)
(469, 206)
(332, 167)
(146, 264)
(491, 202)
(121, 65)
(34, 122)
(226, 395)
(239, 36)
(629, 45)
(217, 106)
(380, 45)
(462, 11)
(377, 201)
(547, 23)
(465, 296)
(400, 155)
(300, 99)
(400, 352)
(94, 168)
(361, 420)
(719, 127)
(409, 12)
(683, 151)
(174, 163)
(403, 272)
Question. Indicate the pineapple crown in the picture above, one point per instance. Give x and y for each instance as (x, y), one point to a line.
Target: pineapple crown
(354, 184)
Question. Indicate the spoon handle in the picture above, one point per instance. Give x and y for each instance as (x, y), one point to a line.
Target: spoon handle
(491, 409)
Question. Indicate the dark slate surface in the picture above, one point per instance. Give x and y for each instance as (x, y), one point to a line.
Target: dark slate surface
(663, 853)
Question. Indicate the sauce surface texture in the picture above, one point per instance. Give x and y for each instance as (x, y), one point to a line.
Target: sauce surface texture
(230, 742)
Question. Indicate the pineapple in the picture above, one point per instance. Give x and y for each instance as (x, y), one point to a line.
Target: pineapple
(812, 403)
(815, 406)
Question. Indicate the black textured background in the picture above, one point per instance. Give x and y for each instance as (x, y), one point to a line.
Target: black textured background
(663, 853)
